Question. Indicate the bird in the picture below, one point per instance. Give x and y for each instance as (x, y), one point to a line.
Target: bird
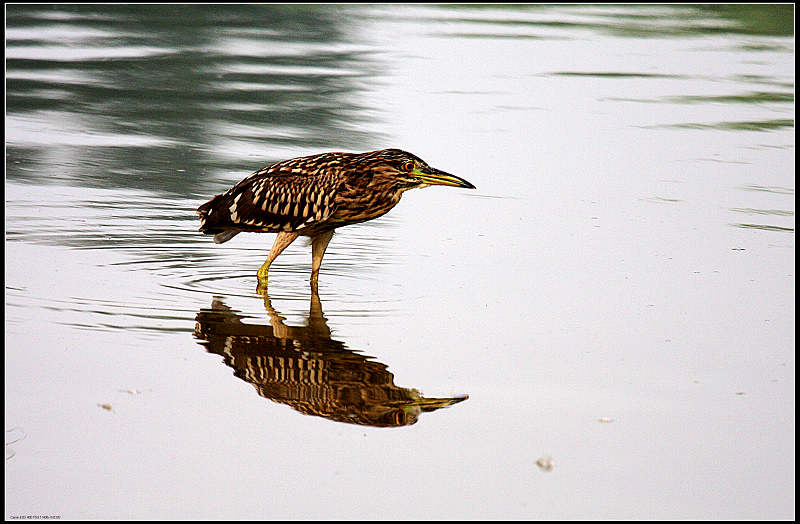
(313, 195)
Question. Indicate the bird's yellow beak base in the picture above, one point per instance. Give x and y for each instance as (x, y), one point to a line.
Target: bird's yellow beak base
(434, 177)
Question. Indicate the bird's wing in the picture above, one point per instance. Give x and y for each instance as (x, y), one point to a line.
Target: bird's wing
(278, 199)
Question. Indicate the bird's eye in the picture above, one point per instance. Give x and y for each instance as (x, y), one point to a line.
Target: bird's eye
(408, 166)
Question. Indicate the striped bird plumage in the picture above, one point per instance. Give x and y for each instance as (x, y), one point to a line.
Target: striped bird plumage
(285, 196)
(302, 194)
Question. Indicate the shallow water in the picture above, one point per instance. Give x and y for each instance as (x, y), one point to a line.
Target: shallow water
(607, 320)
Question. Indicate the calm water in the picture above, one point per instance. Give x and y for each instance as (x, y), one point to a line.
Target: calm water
(603, 329)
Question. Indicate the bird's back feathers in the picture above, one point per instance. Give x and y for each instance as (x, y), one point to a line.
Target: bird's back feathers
(301, 194)
(287, 196)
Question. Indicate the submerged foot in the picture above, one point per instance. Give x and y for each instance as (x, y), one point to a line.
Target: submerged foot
(263, 273)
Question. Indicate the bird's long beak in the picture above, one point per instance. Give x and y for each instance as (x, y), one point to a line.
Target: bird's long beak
(434, 177)
(431, 404)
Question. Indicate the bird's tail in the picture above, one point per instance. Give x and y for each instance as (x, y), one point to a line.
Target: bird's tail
(223, 237)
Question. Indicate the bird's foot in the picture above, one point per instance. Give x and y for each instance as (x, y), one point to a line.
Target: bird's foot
(263, 272)
(263, 279)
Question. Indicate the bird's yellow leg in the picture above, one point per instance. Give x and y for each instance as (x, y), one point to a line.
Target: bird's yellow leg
(282, 241)
(319, 244)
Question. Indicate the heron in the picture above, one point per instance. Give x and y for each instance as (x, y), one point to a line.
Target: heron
(313, 195)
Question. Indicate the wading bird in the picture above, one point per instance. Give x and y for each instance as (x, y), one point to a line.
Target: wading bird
(313, 195)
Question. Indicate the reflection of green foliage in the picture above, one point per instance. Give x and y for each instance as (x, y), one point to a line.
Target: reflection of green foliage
(600, 74)
(745, 98)
(738, 126)
(764, 227)
(753, 19)
(673, 20)
(763, 47)
(759, 79)
(748, 98)
(190, 78)
(751, 211)
(770, 189)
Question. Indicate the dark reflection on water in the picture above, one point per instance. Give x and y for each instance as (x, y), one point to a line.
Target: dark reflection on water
(764, 227)
(185, 99)
(639, 21)
(308, 370)
(763, 125)
(155, 97)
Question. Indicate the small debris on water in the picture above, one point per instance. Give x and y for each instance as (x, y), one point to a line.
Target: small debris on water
(605, 419)
(107, 407)
(545, 463)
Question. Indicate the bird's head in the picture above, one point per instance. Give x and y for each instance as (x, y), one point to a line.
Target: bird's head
(407, 171)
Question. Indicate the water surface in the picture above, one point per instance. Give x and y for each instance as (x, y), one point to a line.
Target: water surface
(603, 329)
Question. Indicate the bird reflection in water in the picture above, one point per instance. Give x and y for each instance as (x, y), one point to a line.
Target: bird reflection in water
(306, 369)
